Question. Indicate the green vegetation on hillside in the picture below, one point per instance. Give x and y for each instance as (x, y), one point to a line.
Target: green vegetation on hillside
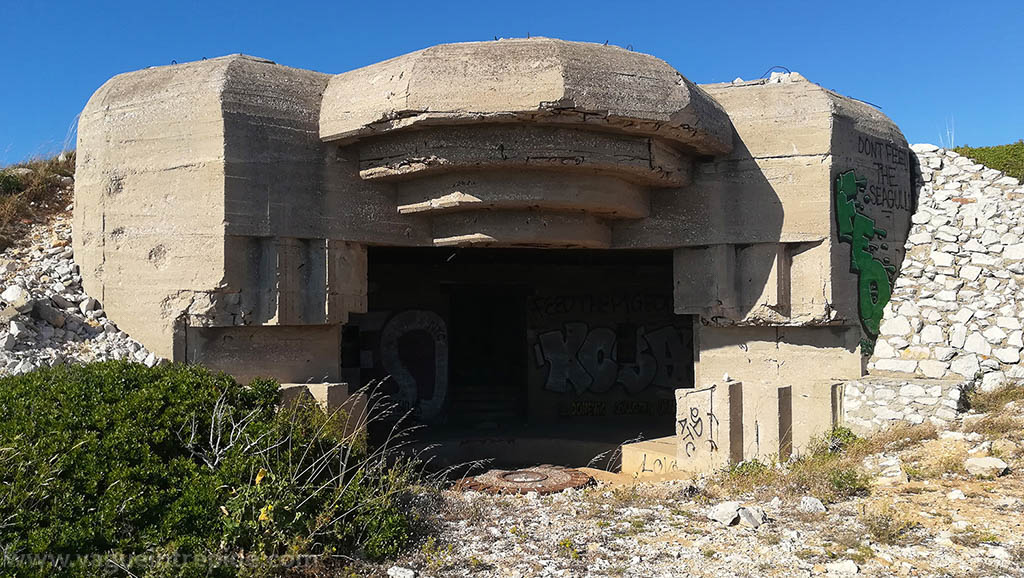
(116, 468)
(1007, 158)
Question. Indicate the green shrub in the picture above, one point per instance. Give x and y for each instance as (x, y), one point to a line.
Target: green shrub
(838, 439)
(103, 462)
(1007, 158)
(9, 183)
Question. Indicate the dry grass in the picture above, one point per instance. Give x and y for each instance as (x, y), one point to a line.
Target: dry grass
(999, 419)
(887, 524)
(847, 544)
(897, 438)
(997, 425)
(973, 537)
(830, 471)
(935, 458)
(992, 401)
(34, 196)
(832, 468)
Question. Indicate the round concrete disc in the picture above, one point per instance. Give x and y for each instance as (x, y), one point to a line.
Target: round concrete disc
(546, 479)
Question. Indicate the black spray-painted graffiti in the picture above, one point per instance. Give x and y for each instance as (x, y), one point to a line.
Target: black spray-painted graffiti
(658, 465)
(888, 190)
(693, 429)
(403, 324)
(582, 359)
(874, 275)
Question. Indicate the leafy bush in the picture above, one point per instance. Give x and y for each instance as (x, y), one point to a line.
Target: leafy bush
(1007, 158)
(105, 462)
(9, 183)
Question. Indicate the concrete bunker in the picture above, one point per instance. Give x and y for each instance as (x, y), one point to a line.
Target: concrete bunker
(266, 220)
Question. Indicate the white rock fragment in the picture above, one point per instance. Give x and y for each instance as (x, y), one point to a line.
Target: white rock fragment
(725, 513)
(811, 505)
(985, 467)
(87, 305)
(842, 568)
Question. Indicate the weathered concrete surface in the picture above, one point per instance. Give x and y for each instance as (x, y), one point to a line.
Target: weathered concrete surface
(538, 79)
(149, 196)
(225, 209)
(191, 173)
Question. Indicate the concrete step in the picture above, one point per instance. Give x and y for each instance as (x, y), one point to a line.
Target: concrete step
(651, 458)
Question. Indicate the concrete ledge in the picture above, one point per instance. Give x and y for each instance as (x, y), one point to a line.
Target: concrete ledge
(567, 82)
(651, 458)
(332, 397)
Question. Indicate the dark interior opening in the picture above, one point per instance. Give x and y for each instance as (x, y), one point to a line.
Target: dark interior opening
(525, 355)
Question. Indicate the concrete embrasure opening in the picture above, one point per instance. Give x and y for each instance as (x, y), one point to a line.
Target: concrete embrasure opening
(503, 351)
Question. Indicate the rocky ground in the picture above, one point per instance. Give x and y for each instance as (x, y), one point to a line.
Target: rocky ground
(945, 505)
(46, 318)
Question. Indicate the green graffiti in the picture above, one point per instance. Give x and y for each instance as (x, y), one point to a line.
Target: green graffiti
(874, 278)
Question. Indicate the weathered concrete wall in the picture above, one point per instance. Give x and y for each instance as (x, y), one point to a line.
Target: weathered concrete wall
(200, 205)
(227, 207)
(149, 196)
(782, 306)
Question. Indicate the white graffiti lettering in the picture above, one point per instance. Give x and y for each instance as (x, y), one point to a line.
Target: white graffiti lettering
(408, 391)
(580, 359)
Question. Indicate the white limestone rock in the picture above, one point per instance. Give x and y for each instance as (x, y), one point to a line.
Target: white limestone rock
(932, 334)
(811, 505)
(725, 513)
(932, 368)
(965, 365)
(976, 343)
(898, 325)
(896, 365)
(1007, 354)
(992, 381)
(985, 467)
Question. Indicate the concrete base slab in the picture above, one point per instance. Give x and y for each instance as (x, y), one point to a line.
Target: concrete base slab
(649, 458)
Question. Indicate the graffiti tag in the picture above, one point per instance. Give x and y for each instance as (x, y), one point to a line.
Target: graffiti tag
(874, 275)
(692, 429)
(582, 359)
(403, 324)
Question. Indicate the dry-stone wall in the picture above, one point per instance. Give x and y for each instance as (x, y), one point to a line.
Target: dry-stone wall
(956, 312)
(873, 402)
(956, 309)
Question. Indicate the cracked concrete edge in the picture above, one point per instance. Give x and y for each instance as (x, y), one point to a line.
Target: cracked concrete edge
(484, 81)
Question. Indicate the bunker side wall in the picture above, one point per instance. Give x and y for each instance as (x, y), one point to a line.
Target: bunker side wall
(149, 196)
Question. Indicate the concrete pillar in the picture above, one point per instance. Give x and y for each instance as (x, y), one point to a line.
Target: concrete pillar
(787, 376)
(708, 425)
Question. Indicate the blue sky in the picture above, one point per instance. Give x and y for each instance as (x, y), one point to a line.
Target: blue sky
(927, 64)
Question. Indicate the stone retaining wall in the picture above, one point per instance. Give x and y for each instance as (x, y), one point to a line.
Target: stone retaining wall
(872, 403)
(957, 307)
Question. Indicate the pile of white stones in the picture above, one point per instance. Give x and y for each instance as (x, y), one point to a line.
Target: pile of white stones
(46, 318)
(957, 307)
